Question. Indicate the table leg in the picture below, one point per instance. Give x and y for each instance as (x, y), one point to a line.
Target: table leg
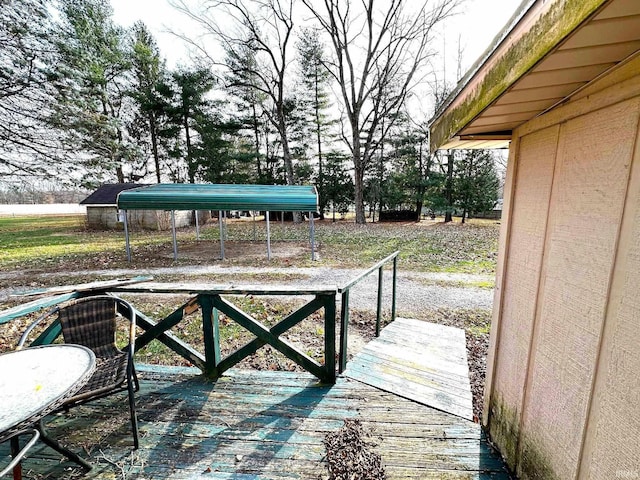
(15, 450)
(59, 448)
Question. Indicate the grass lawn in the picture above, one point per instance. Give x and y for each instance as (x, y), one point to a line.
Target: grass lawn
(63, 242)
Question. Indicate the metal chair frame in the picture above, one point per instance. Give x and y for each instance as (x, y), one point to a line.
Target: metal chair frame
(88, 321)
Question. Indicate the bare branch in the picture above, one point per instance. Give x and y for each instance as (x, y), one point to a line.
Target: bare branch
(379, 55)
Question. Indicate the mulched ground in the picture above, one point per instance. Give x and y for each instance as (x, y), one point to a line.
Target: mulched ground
(350, 455)
(477, 348)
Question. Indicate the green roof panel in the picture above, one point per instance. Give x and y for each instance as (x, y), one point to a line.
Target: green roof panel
(188, 196)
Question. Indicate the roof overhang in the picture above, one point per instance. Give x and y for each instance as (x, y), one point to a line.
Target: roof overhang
(188, 196)
(549, 51)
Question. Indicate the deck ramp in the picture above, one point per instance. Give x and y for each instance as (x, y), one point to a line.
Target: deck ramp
(421, 361)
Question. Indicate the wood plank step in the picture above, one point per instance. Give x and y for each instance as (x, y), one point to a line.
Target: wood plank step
(420, 361)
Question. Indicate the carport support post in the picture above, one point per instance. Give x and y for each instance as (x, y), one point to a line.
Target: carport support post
(312, 232)
(253, 214)
(126, 237)
(220, 224)
(268, 237)
(224, 224)
(173, 231)
(195, 212)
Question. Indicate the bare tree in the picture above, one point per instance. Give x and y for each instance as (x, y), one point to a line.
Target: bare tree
(264, 27)
(379, 52)
(29, 148)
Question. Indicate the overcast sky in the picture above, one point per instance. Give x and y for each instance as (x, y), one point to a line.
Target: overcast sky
(476, 25)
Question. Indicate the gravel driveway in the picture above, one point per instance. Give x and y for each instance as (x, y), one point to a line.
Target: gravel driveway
(416, 291)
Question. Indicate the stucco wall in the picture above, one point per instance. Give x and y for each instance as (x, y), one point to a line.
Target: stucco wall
(102, 217)
(106, 217)
(563, 391)
(157, 219)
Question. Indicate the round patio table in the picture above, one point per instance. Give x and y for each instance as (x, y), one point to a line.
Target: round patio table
(33, 383)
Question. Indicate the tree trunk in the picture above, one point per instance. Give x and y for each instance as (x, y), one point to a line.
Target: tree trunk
(423, 178)
(119, 174)
(256, 135)
(190, 170)
(286, 156)
(418, 209)
(358, 172)
(319, 140)
(288, 163)
(359, 196)
(154, 144)
(318, 125)
(449, 188)
(381, 175)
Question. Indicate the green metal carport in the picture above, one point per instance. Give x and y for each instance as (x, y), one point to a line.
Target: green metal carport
(222, 197)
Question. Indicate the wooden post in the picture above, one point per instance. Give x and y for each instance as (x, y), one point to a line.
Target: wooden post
(394, 288)
(330, 338)
(210, 330)
(344, 330)
(379, 309)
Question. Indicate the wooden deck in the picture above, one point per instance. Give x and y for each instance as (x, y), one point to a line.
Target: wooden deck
(409, 389)
(421, 361)
(258, 425)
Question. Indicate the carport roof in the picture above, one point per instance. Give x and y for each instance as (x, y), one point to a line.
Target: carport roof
(108, 193)
(187, 196)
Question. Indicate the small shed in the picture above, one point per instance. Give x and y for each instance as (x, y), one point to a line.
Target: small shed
(561, 87)
(103, 213)
(223, 197)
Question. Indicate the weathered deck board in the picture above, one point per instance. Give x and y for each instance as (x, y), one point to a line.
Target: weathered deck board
(421, 361)
(259, 425)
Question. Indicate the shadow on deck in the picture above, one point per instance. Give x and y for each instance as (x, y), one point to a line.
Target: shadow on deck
(258, 425)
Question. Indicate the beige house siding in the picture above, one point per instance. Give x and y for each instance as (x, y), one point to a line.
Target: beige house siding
(615, 408)
(563, 392)
(521, 277)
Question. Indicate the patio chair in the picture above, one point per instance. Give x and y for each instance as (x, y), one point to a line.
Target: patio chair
(91, 321)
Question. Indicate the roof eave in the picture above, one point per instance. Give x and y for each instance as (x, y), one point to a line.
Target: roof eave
(508, 63)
